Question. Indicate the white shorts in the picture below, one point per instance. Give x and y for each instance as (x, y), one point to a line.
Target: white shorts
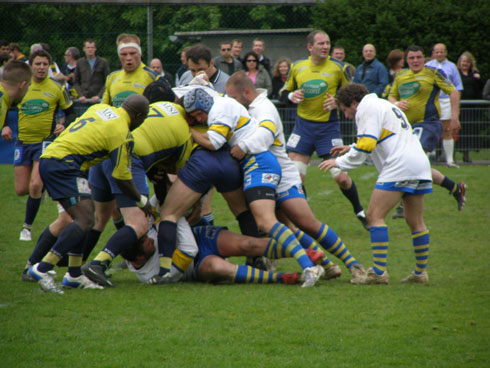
(445, 108)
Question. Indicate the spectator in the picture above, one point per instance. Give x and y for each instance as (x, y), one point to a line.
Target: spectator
(470, 77)
(472, 90)
(280, 75)
(236, 49)
(226, 62)
(259, 47)
(199, 60)
(440, 61)
(486, 91)
(395, 62)
(371, 72)
(338, 52)
(256, 72)
(90, 74)
(157, 67)
(72, 54)
(16, 52)
(4, 47)
(4, 59)
(183, 67)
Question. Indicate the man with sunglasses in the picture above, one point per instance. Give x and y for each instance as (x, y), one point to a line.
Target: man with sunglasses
(226, 62)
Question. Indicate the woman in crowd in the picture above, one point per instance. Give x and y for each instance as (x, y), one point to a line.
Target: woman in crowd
(395, 62)
(472, 90)
(279, 75)
(256, 72)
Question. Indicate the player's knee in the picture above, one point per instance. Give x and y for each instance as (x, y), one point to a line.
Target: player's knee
(36, 189)
(139, 223)
(302, 167)
(342, 179)
(21, 191)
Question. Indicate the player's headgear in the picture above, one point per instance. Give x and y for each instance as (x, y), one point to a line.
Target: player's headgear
(159, 90)
(198, 99)
(136, 106)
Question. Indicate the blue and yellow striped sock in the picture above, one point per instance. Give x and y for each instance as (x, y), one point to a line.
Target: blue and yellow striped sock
(330, 241)
(251, 275)
(288, 246)
(379, 246)
(308, 242)
(181, 260)
(421, 241)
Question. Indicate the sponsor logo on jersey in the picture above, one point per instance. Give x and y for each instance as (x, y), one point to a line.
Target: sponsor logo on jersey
(118, 99)
(314, 88)
(270, 178)
(409, 89)
(325, 74)
(137, 85)
(107, 114)
(47, 94)
(35, 106)
(248, 180)
(169, 109)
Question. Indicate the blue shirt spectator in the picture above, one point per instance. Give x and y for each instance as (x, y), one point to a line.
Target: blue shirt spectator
(371, 72)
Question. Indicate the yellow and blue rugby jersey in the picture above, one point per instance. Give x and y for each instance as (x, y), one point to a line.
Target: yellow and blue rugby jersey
(119, 84)
(316, 81)
(4, 105)
(102, 131)
(422, 92)
(164, 137)
(38, 108)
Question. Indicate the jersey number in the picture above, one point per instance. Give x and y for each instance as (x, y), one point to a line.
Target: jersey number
(80, 123)
(154, 113)
(400, 116)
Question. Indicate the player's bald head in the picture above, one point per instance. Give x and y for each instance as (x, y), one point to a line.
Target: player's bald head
(137, 108)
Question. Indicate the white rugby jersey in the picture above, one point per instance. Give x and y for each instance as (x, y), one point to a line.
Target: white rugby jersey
(229, 122)
(384, 132)
(270, 136)
(185, 242)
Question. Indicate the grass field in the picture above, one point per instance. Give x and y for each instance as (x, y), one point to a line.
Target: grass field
(334, 324)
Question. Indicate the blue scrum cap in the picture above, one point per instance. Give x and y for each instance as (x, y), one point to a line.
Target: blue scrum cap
(198, 99)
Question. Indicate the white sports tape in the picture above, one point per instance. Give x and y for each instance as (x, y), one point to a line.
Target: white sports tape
(335, 171)
(60, 207)
(129, 44)
(301, 166)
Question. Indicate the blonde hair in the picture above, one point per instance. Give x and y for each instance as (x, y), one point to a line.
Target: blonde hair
(127, 37)
(275, 72)
(470, 58)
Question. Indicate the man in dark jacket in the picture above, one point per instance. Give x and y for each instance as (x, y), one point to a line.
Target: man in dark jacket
(90, 74)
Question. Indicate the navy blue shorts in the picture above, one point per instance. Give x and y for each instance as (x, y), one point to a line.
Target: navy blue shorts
(308, 136)
(207, 242)
(428, 133)
(26, 154)
(206, 168)
(63, 180)
(105, 188)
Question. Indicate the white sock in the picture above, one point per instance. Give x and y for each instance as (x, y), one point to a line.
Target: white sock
(448, 145)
